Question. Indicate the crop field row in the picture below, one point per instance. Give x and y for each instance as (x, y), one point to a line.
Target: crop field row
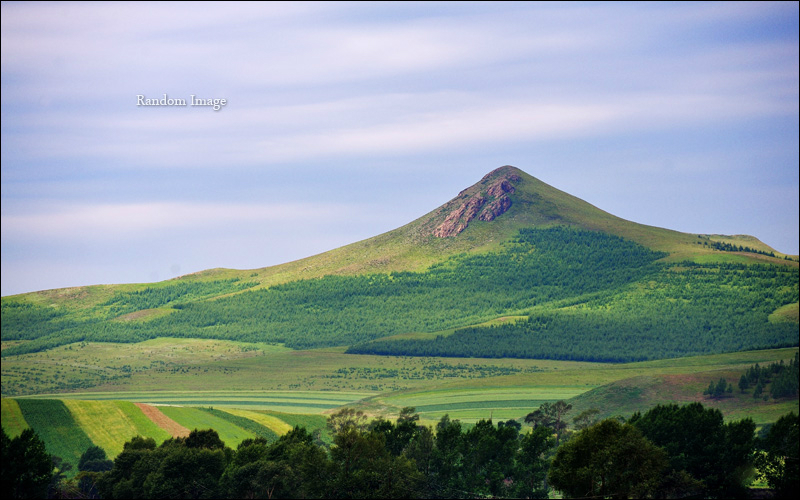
(13, 421)
(195, 418)
(55, 425)
(271, 422)
(70, 426)
(107, 422)
(282, 401)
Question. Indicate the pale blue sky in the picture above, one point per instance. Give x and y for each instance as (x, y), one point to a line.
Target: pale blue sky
(346, 120)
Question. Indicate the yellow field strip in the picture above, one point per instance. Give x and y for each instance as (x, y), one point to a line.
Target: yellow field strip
(13, 420)
(104, 422)
(275, 424)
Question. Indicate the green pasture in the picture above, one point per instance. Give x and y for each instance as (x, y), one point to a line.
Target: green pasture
(109, 424)
(83, 365)
(303, 420)
(192, 366)
(471, 405)
(247, 424)
(271, 422)
(196, 418)
(13, 420)
(281, 401)
(788, 313)
(54, 424)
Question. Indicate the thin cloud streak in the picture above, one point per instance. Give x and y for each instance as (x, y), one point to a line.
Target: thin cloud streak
(135, 220)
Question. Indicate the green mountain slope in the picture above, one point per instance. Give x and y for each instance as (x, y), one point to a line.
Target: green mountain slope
(533, 203)
(588, 285)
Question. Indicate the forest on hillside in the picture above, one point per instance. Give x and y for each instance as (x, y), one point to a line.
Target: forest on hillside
(587, 295)
(700, 309)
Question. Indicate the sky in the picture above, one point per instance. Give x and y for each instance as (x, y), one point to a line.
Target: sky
(346, 120)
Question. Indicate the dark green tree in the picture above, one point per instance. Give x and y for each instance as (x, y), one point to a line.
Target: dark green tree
(292, 467)
(533, 464)
(363, 468)
(447, 459)
(743, 384)
(608, 459)
(488, 454)
(698, 441)
(550, 415)
(758, 390)
(345, 418)
(27, 467)
(422, 451)
(206, 438)
(172, 470)
(779, 465)
(785, 383)
(398, 435)
(585, 418)
(94, 459)
(92, 464)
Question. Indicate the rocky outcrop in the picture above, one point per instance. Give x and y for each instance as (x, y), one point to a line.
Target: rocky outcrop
(459, 218)
(495, 209)
(486, 200)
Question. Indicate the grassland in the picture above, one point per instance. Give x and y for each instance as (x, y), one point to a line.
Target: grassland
(271, 422)
(316, 382)
(108, 418)
(196, 418)
(13, 421)
(109, 426)
(55, 425)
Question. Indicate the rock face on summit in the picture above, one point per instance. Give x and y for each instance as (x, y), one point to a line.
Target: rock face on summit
(486, 200)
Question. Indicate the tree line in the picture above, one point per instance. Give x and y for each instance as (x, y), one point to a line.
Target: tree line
(777, 379)
(670, 451)
(783, 379)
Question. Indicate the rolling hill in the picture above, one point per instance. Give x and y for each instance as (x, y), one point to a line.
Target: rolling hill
(579, 283)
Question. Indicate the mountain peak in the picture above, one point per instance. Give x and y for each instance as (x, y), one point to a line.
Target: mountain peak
(505, 170)
(486, 200)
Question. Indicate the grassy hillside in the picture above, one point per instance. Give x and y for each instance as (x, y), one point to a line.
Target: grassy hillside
(579, 283)
(566, 281)
(413, 247)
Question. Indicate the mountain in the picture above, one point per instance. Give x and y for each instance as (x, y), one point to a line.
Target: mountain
(480, 217)
(578, 282)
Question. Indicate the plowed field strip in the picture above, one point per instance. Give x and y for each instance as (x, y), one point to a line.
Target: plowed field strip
(163, 421)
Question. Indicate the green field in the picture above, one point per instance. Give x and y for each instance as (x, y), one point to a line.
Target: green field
(470, 405)
(276, 425)
(54, 423)
(293, 401)
(109, 418)
(109, 426)
(13, 421)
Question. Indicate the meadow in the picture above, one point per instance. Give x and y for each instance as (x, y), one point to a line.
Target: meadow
(324, 380)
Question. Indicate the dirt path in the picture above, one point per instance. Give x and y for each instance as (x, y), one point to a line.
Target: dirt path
(163, 421)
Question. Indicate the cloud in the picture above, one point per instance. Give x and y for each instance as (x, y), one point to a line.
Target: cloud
(133, 220)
